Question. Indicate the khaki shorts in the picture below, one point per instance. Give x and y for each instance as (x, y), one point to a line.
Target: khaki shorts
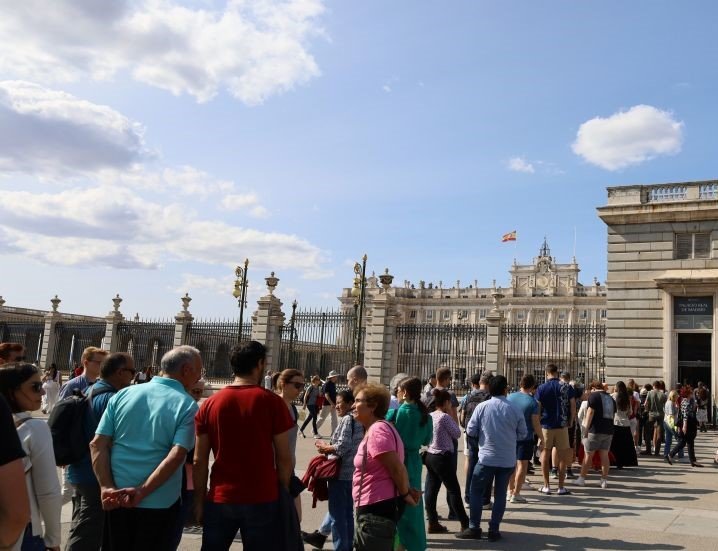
(556, 438)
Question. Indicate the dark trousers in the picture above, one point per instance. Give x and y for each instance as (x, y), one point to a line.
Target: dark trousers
(88, 519)
(440, 470)
(473, 445)
(257, 522)
(311, 417)
(141, 529)
(484, 476)
(687, 439)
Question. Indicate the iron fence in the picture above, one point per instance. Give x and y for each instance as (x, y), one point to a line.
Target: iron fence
(578, 349)
(215, 340)
(422, 349)
(71, 338)
(317, 342)
(146, 341)
(27, 332)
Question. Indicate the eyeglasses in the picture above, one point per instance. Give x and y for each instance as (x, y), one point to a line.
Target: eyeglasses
(298, 386)
(36, 387)
(197, 391)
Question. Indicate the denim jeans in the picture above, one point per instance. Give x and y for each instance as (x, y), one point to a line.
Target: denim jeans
(341, 510)
(473, 445)
(668, 432)
(257, 522)
(484, 476)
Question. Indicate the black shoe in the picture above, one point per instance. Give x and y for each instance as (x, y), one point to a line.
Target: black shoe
(315, 539)
(645, 452)
(537, 461)
(667, 459)
(469, 534)
(494, 536)
(452, 516)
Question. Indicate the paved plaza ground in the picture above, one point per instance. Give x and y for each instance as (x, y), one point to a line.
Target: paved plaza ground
(652, 507)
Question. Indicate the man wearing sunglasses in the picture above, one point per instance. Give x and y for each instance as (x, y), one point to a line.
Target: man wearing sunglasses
(91, 359)
(11, 352)
(88, 518)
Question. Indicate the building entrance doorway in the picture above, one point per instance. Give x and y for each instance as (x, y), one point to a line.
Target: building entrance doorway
(694, 358)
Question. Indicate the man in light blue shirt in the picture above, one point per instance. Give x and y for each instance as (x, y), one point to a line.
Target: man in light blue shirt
(140, 446)
(498, 425)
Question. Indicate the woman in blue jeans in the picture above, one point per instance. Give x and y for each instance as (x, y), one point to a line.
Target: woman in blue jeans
(669, 424)
(339, 521)
(311, 395)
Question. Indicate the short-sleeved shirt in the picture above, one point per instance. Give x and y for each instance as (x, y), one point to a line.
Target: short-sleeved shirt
(555, 399)
(330, 388)
(604, 408)
(78, 383)
(655, 402)
(528, 406)
(81, 471)
(11, 448)
(313, 394)
(378, 484)
(241, 422)
(145, 422)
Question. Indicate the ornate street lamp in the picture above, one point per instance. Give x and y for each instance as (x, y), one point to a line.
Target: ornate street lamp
(357, 292)
(240, 293)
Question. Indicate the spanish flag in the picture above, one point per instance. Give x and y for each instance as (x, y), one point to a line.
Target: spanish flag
(511, 236)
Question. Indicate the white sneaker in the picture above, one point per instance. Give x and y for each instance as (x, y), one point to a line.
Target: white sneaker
(604, 483)
(580, 481)
(518, 499)
(526, 486)
(488, 506)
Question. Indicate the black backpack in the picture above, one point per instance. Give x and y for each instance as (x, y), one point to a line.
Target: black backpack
(67, 426)
(473, 400)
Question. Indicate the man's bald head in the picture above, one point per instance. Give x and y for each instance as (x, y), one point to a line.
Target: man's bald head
(356, 377)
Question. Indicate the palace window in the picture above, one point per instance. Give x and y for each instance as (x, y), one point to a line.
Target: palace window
(412, 314)
(446, 315)
(692, 245)
(429, 316)
(482, 313)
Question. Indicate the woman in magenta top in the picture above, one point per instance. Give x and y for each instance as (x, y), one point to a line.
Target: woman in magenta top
(380, 480)
(439, 466)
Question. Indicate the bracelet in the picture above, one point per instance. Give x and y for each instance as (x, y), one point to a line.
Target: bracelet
(406, 494)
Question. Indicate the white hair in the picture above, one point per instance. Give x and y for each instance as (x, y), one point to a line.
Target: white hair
(175, 359)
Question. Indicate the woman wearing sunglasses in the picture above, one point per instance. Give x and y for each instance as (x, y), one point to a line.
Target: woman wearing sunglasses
(291, 383)
(21, 385)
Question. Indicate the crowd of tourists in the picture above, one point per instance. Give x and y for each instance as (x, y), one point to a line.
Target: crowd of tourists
(138, 455)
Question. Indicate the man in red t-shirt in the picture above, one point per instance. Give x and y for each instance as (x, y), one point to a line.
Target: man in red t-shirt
(246, 427)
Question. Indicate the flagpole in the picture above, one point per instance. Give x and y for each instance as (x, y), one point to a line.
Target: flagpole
(574, 242)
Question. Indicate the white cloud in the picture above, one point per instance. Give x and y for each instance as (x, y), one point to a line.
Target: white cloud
(111, 226)
(386, 88)
(629, 137)
(259, 212)
(52, 133)
(254, 49)
(243, 201)
(192, 283)
(518, 164)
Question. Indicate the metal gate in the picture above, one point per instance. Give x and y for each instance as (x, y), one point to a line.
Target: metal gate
(422, 349)
(71, 338)
(578, 349)
(27, 332)
(146, 342)
(317, 342)
(215, 341)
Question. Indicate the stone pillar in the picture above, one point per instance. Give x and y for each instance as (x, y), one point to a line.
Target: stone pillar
(267, 324)
(111, 342)
(182, 322)
(47, 355)
(380, 354)
(494, 339)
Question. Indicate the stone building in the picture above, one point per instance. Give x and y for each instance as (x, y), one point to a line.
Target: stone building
(543, 292)
(662, 282)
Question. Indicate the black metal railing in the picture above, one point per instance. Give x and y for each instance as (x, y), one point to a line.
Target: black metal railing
(146, 341)
(71, 339)
(578, 349)
(317, 342)
(424, 348)
(27, 332)
(215, 340)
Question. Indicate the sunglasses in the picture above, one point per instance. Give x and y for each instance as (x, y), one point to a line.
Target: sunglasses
(196, 391)
(298, 386)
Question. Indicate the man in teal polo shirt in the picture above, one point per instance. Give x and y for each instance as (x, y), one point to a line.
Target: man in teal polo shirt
(140, 444)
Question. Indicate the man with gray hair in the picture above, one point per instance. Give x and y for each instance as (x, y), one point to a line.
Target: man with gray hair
(139, 446)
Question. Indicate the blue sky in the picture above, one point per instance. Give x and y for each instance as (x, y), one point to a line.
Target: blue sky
(160, 143)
